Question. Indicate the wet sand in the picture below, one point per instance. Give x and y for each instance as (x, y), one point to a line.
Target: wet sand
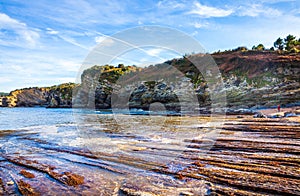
(247, 156)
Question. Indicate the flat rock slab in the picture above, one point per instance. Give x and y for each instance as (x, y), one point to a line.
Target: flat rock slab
(248, 157)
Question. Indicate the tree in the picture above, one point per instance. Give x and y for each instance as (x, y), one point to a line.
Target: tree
(121, 66)
(289, 38)
(260, 47)
(279, 44)
(290, 42)
(241, 48)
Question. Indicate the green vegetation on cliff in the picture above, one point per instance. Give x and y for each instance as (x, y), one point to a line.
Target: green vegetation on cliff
(63, 90)
(107, 72)
(289, 44)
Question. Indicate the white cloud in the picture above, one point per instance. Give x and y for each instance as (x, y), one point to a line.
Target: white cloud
(276, 1)
(170, 4)
(209, 12)
(254, 10)
(22, 31)
(99, 39)
(199, 25)
(73, 42)
(104, 40)
(194, 33)
(51, 31)
(154, 51)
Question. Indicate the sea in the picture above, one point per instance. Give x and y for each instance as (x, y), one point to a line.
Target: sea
(123, 147)
(16, 118)
(26, 117)
(104, 129)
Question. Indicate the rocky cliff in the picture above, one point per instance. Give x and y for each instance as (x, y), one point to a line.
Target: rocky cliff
(54, 96)
(251, 79)
(260, 79)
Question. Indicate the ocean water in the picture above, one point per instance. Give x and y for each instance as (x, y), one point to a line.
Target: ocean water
(107, 131)
(16, 118)
(24, 117)
(65, 139)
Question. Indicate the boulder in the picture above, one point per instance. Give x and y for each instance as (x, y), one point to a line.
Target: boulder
(259, 115)
(277, 115)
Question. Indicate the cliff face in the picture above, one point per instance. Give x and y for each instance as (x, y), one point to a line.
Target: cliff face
(97, 85)
(251, 79)
(27, 97)
(260, 67)
(260, 79)
(55, 96)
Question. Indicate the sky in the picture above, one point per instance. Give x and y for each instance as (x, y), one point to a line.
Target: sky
(44, 42)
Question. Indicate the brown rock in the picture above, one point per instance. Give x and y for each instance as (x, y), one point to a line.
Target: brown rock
(27, 174)
(26, 189)
(72, 179)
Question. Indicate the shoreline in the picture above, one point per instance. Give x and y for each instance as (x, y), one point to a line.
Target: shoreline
(295, 108)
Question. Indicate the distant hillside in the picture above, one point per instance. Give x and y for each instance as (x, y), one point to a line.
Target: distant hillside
(3, 94)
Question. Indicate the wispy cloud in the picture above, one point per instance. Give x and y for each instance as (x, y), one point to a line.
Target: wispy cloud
(254, 10)
(154, 51)
(171, 4)
(72, 41)
(104, 40)
(51, 31)
(275, 1)
(199, 25)
(209, 12)
(19, 33)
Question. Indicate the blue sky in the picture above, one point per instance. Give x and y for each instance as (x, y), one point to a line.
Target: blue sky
(44, 42)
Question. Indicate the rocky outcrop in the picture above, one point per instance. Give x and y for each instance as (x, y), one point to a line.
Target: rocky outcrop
(27, 97)
(55, 96)
(3, 101)
(98, 84)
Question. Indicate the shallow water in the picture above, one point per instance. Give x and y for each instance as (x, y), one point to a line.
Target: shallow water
(15, 118)
(119, 154)
(21, 117)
